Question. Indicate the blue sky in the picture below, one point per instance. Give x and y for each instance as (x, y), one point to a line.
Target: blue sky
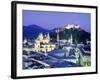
(50, 20)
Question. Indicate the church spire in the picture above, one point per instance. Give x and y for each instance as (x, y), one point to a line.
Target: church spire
(71, 39)
(48, 36)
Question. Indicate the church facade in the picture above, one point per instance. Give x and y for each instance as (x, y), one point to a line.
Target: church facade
(42, 43)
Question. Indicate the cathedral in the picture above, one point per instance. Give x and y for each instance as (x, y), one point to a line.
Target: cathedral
(42, 43)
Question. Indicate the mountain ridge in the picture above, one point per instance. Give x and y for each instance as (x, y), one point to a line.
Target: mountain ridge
(32, 32)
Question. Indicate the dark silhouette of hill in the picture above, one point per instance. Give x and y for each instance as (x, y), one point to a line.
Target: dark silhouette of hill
(32, 31)
(79, 35)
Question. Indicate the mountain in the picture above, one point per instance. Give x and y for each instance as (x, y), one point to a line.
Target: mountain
(32, 31)
(78, 34)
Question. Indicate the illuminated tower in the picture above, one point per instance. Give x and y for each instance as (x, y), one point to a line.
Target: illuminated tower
(40, 37)
(58, 42)
(48, 36)
(71, 39)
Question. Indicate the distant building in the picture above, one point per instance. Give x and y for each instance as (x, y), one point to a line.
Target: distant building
(25, 41)
(69, 26)
(43, 44)
(70, 40)
(63, 54)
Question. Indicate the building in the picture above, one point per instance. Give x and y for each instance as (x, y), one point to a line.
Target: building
(70, 40)
(69, 26)
(66, 55)
(42, 43)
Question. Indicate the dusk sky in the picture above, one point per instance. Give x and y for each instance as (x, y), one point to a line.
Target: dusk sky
(50, 20)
